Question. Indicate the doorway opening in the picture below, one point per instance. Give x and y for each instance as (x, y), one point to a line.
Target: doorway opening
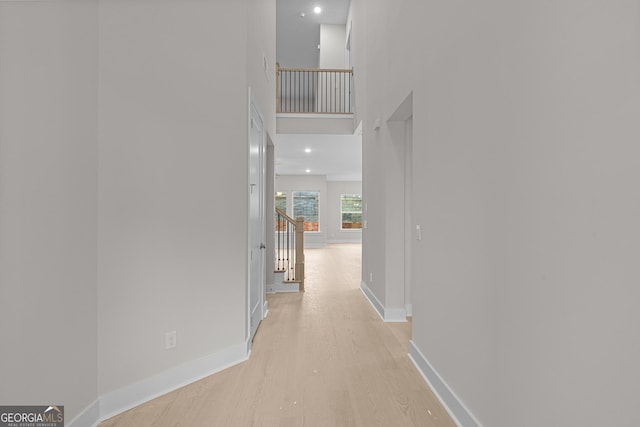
(400, 126)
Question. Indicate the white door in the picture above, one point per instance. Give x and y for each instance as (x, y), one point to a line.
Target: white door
(256, 221)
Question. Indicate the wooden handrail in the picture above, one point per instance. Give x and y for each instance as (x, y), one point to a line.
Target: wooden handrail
(313, 112)
(318, 70)
(285, 216)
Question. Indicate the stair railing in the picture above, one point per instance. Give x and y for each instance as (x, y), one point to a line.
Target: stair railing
(314, 91)
(290, 248)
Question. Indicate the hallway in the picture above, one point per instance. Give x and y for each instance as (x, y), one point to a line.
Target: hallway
(322, 358)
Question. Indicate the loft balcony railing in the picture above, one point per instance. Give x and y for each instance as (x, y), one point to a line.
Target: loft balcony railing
(314, 91)
(290, 248)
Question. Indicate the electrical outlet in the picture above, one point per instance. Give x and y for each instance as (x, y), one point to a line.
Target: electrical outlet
(370, 277)
(170, 340)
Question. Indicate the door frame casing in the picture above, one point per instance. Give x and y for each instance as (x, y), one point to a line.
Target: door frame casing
(254, 106)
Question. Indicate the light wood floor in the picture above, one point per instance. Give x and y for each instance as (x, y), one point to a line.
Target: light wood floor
(322, 358)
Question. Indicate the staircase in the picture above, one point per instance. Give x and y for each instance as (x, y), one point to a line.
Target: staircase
(289, 258)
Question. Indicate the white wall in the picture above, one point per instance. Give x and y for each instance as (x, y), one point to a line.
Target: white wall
(173, 161)
(335, 234)
(291, 183)
(332, 46)
(261, 71)
(332, 92)
(48, 203)
(261, 58)
(525, 172)
(113, 118)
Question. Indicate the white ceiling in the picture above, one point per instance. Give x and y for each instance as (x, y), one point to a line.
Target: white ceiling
(339, 157)
(297, 38)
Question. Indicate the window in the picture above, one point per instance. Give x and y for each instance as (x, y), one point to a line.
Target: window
(281, 204)
(281, 201)
(351, 209)
(305, 204)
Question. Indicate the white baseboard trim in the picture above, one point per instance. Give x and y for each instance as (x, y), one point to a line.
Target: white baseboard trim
(409, 309)
(452, 404)
(386, 314)
(90, 416)
(315, 245)
(128, 397)
(395, 315)
(265, 309)
(373, 300)
(339, 241)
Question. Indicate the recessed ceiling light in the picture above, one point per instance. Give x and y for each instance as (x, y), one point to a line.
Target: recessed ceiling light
(308, 171)
(307, 150)
(317, 10)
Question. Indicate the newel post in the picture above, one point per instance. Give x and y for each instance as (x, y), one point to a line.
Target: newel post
(300, 251)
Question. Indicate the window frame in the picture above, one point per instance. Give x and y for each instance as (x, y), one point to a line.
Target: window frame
(317, 210)
(343, 212)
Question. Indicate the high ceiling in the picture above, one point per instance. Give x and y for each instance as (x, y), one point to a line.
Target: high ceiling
(297, 37)
(339, 157)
